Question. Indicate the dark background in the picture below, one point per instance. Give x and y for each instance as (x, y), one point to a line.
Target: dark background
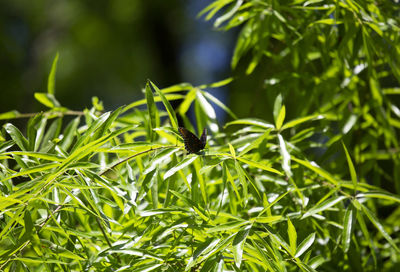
(107, 49)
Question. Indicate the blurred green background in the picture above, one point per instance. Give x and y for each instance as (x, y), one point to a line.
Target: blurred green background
(107, 49)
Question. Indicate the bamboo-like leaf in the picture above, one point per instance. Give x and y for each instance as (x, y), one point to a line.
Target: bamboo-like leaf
(285, 156)
(51, 81)
(28, 225)
(9, 115)
(228, 14)
(205, 105)
(305, 244)
(277, 106)
(44, 156)
(381, 195)
(347, 229)
(232, 150)
(268, 219)
(280, 118)
(47, 99)
(243, 181)
(238, 244)
(201, 181)
(167, 105)
(292, 236)
(229, 227)
(217, 84)
(365, 231)
(187, 102)
(162, 157)
(255, 144)
(324, 205)
(152, 110)
(69, 133)
(251, 121)
(88, 135)
(34, 169)
(259, 165)
(351, 168)
(301, 120)
(17, 136)
(228, 176)
(182, 164)
(379, 226)
(316, 169)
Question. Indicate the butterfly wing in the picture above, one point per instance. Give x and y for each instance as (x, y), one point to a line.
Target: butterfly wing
(203, 137)
(192, 143)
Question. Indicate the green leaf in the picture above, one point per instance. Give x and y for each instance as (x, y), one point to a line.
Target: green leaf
(228, 14)
(89, 133)
(9, 115)
(47, 99)
(238, 244)
(28, 227)
(285, 156)
(301, 120)
(314, 167)
(217, 84)
(268, 219)
(251, 121)
(243, 181)
(351, 167)
(44, 156)
(305, 244)
(379, 226)
(182, 164)
(255, 144)
(69, 133)
(347, 229)
(51, 81)
(167, 105)
(34, 169)
(205, 105)
(292, 236)
(281, 117)
(203, 249)
(323, 206)
(189, 98)
(381, 195)
(227, 176)
(17, 136)
(162, 157)
(152, 111)
(232, 150)
(365, 231)
(228, 227)
(277, 106)
(259, 165)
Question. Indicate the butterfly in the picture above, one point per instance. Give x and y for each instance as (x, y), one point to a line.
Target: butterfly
(192, 143)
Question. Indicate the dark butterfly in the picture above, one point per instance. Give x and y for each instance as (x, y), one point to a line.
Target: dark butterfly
(192, 143)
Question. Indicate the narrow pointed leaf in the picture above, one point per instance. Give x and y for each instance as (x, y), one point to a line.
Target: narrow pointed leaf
(324, 205)
(51, 81)
(305, 244)
(280, 118)
(347, 229)
(167, 105)
(185, 162)
(351, 168)
(379, 226)
(292, 236)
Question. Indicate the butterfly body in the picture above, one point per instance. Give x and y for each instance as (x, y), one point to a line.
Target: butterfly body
(192, 143)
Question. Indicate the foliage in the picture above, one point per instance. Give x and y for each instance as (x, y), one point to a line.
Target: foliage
(116, 190)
